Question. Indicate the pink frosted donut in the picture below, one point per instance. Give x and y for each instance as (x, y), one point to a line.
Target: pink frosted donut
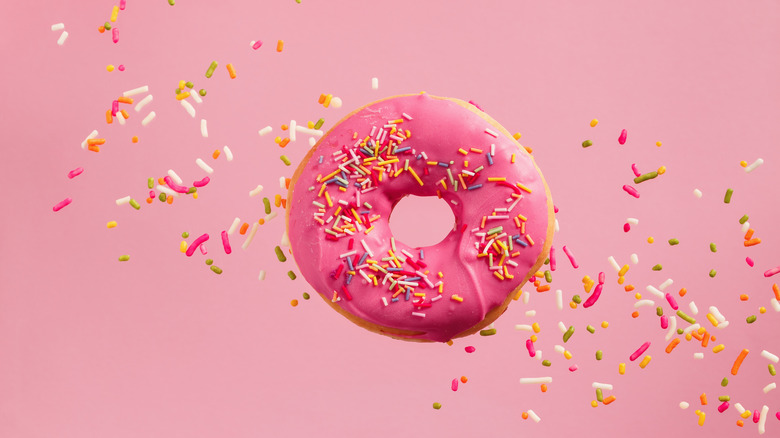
(342, 194)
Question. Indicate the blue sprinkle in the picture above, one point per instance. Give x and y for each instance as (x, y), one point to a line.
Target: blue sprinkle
(332, 180)
(357, 184)
(349, 263)
(321, 158)
(394, 269)
(443, 164)
(364, 212)
(349, 278)
(475, 186)
(403, 149)
(363, 259)
(490, 159)
(521, 243)
(339, 183)
(408, 294)
(422, 255)
(419, 156)
(411, 279)
(394, 299)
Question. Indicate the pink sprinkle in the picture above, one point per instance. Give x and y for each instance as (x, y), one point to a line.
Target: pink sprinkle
(122, 4)
(631, 191)
(470, 349)
(115, 35)
(672, 301)
(475, 104)
(756, 416)
(152, 194)
(195, 244)
(750, 262)
(203, 249)
(62, 204)
(722, 408)
(553, 264)
(636, 170)
(777, 414)
(639, 351)
(175, 187)
(202, 182)
(75, 172)
(574, 368)
(257, 45)
(529, 344)
(555, 208)
(121, 67)
(664, 321)
(772, 272)
(594, 297)
(626, 227)
(571, 257)
(226, 242)
(622, 138)
(114, 107)
(454, 384)
(602, 277)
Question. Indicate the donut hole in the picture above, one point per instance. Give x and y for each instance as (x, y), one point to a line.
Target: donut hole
(420, 221)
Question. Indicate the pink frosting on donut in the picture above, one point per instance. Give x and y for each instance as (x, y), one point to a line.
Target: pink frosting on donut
(339, 209)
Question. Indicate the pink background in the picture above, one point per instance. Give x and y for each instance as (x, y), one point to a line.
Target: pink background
(159, 346)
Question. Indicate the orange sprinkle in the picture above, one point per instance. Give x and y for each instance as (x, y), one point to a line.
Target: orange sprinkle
(683, 291)
(287, 182)
(635, 314)
(215, 154)
(232, 70)
(543, 288)
(751, 242)
(609, 399)
(94, 148)
(672, 344)
(261, 221)
(284, 142)
(243, 228)
(464, 379)
(749, 234)
(109, 117)
(695, 334)
(161, 181)
(705, 340)
(294, 303)
(524, 415)
(529, 150)
(738, 362)
(169, 200)
(573, 305)
(279, 46)
(96, 141)
(149, 200)
(544, 387)
(776, 290)
(740, 423)
(124, 99)
(284, 203)
(629, 288)
(124, 114)
(285, 127)
(703, 398)
(744, 297)
(517, 135)
(743, 163)
(135, 139)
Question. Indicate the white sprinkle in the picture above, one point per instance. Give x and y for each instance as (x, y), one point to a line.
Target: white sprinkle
(312, 142)
(491, 132)
(205, 167)
(745, 227)
(532, 415)
(770, 387)
(755, 164)
(775, 304)
(684, 405)
(769, 356)
(557, 228)
(634, 258)
(762, 420)
(142, 103)
(374, 83)
(559, 349)
(605, 386)
(716, 313)
(694, 309)
(691, 328)
(436, 298)
(261, 277)
(63, 37)
(250, 236)
(134, 91)
(282, 184)
(526, 298)
(256, 191)
(530, 313)
(228, 153)
(535, 380)
(148, 118)
(384, 299)
(698, 355)
(368, 250)
(292, 130)
(265, 131)
(196, 97)
(421, 315)
(285, 241)
(123, 201)
(58, 26)
(632, 221)
(523, 327)
(270, 216)
(188, 106)
(614, 263)
(174, 176)
(722, 325)
(655, 291)
(559, 299)
(672, 328)
(203, 129)
(666, 284)
(697, 193)
(308, 131)
(91, 135)
(120, 118)
(641, 303)
(739, 408)
(562, 327)
(234, 226)
(348, 254)
(167, 190)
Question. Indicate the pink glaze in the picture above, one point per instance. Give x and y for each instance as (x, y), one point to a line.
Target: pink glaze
(438, 128)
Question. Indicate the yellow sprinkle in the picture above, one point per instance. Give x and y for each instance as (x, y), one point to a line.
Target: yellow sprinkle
(457, 298)
(594, 122)
(183, 246)
(658, 143)
(622, 368)
(111, 224)
(523, 187)
(594, 403)
(604, 324)
(500, 277)
(114, 13)
(662, 170)
(278, 140)
(294, 303)
(645, 361)
(414, 174)
(327, 198)
(712, 319)
(110, 67)
(517, 136)
(475, 150)
(638, 296)
(465, 152)
(718, 348)
(494, 179)
(512, 160)
(746, 414)
(701, 418)
(743, 163)
(762, 309)
(650, 239)
(536, 327)
(573, 305)
(623, 270)
(567, 354)
(368, 229)
(534, 338)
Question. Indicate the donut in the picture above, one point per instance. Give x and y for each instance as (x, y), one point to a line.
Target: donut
(343, 192)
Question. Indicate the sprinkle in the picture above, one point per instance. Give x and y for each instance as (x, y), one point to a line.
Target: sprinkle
(292, 275)
(133, 203)
(279, 46)
(115, 35)
(738, 361)
(631, 191)
(594, 122)
(639, 351)
(195, 244)
(437, 405)
(124, 258)
(535, 380)
(231, 71)
(256, 44)
(697, 193)
(134, 91)
(251, 236)
(769, 356)
(148, 118)
(287, 161)
(226, 242)
(75, 172)
(755, 165)
(203, 129)
(280, 254)
(645, 361)
(60, 205)
(770, 387)
(62, 38)
(57, 27)
(374, 83)
(216, 269)
(143, 102)
(256, 190)
(188, 107)
(210, 70)
(205, 167)
(622, 138)
(487, 332)
(261, 276)
(570, 255)
(762, 420)
(684, 405)
(771, 272)
(587, 143)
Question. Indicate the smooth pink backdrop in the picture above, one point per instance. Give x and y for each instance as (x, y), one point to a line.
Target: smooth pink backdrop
(159, 346)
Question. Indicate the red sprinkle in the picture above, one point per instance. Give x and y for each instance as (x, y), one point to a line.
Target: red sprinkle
(470, 349)
(626, 227)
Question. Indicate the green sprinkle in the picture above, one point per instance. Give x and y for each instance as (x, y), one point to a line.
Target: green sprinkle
(687, 318)
(743, 219)
(178, 91)
(599, 395)
(713, 273)
(107, 26)
(124, 258)
(306, 296)
(216, 269)
(192, 190)
(546, 363)
(267, 205)
(185, 235)
(319, 123)
(437, 406)
(724, 398)
(646, 176)
(171, 2)
(548, 276)
(209, 262)
(591, 329)
(497, 229)
(576, 299)
(547, 261)
(189, 84)
(291, 274)
(599, 354)
(211, 69)
(657, 267)
(680, 331)
(587, 143)
(134, 204)
(162, 197)
(150, 183)
(659, 311)
(751, 319)
(487, 332)
(727, 198)
(724, 382)
(713, 248)
(673, 242)
(568, 334)
(285, 160)
(772, 370)
(202, 92)
(280, 254)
